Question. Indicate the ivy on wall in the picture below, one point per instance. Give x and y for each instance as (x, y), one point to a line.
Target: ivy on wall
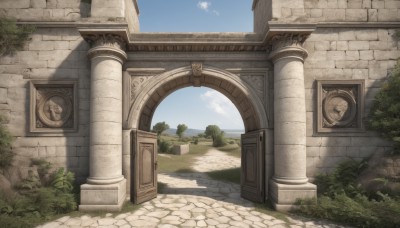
(12, 36)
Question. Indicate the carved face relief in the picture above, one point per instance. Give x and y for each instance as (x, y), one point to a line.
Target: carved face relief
(53, 107)
(340, 106)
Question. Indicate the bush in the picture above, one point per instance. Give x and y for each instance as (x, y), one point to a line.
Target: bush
(6, 154)
(342, 200)
(36, 202)
(164, 146)
(219, 140)
(385, 114)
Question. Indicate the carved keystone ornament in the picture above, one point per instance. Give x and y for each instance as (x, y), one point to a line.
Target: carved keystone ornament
(53, 106)
(340, 106)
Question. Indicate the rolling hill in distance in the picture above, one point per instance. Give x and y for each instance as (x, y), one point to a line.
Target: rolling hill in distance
(230, 133)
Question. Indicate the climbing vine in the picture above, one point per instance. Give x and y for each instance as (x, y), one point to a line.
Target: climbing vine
(12, 36)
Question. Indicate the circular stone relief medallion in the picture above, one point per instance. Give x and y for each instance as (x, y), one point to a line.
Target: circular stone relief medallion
(339, 108)
(54, 109)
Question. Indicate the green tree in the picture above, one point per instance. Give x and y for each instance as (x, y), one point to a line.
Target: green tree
(212, 131)
(13, 36)
(220, 140)
(160, 127)
(180, 130)
(385, 113)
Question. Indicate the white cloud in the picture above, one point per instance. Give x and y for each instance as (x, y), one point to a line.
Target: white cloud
(204, 5)
(218, 103)
(215, 12)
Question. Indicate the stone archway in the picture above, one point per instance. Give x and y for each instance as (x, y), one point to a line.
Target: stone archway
(158, 87)
(243, 97)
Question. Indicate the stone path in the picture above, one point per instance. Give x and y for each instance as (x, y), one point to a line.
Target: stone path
(193, 200)
(215, 160)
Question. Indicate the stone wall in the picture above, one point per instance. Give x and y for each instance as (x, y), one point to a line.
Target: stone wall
(353, 11)
(52, 54)
(346, 54)
(45, 10)
(180, 149)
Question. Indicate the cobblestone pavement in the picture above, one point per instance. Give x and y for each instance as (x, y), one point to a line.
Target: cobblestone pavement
(193, 200)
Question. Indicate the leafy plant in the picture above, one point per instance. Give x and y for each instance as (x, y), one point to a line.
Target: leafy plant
(219, 140)
(165, 147)
(13, 36)
(6, 154)
(385, 113)
(342, 200)
(63, 181)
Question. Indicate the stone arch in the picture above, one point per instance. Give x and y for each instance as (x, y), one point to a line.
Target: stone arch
(240, 93)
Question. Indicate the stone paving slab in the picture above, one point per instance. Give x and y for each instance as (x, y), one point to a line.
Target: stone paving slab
(193, 200)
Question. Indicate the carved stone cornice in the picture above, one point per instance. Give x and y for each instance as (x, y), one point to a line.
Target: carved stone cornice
(284, 40)
(288, 45)
(107, 44)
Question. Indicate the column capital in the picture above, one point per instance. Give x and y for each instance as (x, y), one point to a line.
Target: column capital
(288, 45)
(107, 45)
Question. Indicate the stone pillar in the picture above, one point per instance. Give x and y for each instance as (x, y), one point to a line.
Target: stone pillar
(289, 181)
(106, 186)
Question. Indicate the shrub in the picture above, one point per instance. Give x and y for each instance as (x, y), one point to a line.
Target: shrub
(6, 154)
(164, 146)
(341, 200)
(219, 140)
(12, 36)
(385, 114)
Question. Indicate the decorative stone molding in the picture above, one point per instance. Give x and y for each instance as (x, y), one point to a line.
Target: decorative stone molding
(340, 106)
(54, 106)
(137, 83)
(197, 69)
(288, 45)
(106, 44)
(284, 40)
(197, 72)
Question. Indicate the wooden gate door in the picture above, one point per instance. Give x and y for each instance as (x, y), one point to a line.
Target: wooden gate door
(253, 166)
(144, 162)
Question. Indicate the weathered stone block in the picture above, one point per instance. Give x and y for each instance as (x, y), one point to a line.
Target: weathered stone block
(352, 55)
(354, 4)
(316, 13)
(41, 46)
(386, 55)
(360, 73)
(3, 95)
(347, 35)
(378, 4)
(366, 4)
(334, 14)
(322, 46)
(352, 64)
(38, 3)
(388, 15)
(342, 45)
(14, 4)
(372, 15)
(335, 55)
(366, 55)
(283, 196)
(342, 4)
(392, 4)
(356, 15)
(367, 34)
(358, 45)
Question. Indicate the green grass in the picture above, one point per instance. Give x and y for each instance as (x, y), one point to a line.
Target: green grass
(231, 149)
(230, 175)
(182, 163)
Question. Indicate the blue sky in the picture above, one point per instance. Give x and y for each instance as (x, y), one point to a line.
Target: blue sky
(195, 15)
(197, 107)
